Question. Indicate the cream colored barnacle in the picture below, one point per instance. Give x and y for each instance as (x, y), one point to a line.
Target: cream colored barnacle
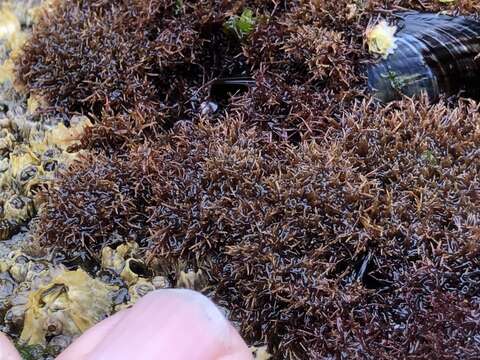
(36, 269)
(260, 353)
(27, 174)
(9, 23)
(5, 178)
(8, 228)
(49, 168)
(63, 137)
(21, 158)
(139, 290)
(19, 266)
(160, 282)
(133, 271)
(65, 159)
(190, 279)
(34, 103)
(18, 208)
(47, 6)
(115, 259)
(52, 160)
(25, 171)
(36, 141)
(13, 37)
(69, 303)
(112, 260)
(32, 178)
(15, 316)
(50, 153)
(381, 39)
(136, 292)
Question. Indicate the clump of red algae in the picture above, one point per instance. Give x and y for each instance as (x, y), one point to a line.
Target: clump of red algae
(153, 61)
(342, 246)
(148, 64)
(141, 57)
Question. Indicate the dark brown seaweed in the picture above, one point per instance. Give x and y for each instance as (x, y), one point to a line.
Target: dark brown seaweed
(365, 243)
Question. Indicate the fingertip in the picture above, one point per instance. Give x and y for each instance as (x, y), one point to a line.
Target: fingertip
(169, 323)
(174, 324)
(7, 350)
(89, 340)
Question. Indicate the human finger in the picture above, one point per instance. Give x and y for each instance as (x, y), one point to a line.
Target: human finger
(7, 350)
(171, 324)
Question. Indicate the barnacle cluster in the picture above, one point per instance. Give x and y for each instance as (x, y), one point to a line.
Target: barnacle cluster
(68, 303)
(126, 263)
(49, 301)
(31, 159)
(329, 226)
(47, 305)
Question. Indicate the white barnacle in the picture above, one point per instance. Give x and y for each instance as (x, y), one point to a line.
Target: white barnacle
(381, 39)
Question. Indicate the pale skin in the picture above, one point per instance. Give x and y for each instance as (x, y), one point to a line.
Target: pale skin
(165, 324)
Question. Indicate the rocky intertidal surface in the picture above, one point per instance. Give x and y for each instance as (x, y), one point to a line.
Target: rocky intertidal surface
(235, 147)
(48, 305)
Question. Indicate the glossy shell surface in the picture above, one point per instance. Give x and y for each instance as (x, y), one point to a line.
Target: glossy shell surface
(434, 53)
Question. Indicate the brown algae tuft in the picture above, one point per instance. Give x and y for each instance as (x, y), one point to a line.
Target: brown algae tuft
(331, 228)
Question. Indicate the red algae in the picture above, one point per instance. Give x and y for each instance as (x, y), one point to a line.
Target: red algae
(318, 249)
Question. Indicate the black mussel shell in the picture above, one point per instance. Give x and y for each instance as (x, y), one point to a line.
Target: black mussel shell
(437, 54)
(225, 87)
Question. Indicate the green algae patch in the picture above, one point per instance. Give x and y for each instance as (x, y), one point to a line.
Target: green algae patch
(241, 25)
